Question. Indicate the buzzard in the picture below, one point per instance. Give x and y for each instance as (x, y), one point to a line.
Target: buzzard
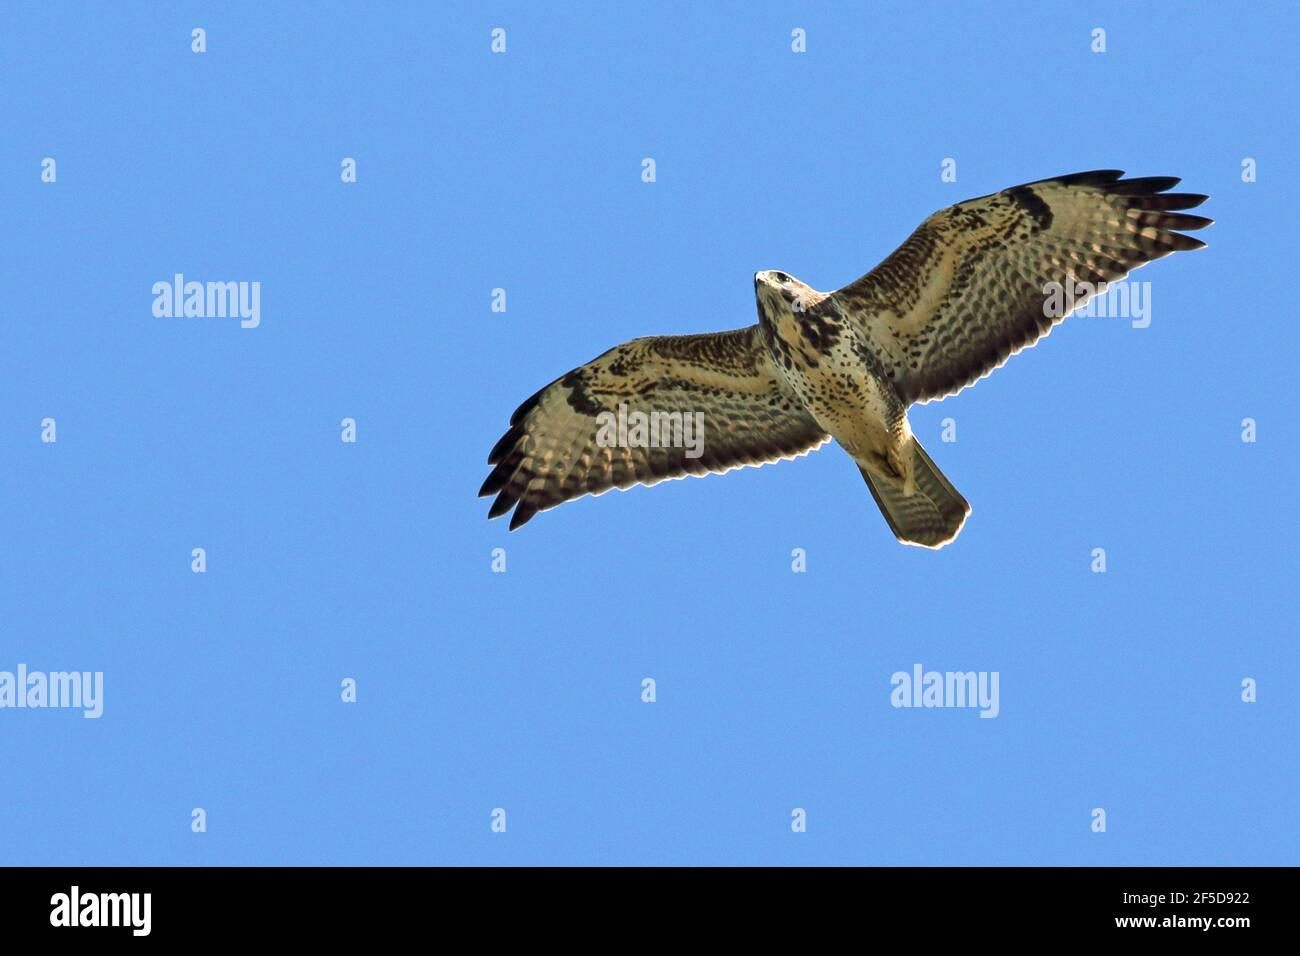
(967, 290)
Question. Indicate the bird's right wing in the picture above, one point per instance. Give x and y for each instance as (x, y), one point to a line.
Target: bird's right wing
(974, 283)
(561, 444)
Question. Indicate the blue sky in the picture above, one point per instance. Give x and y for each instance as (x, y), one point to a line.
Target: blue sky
(521, 690)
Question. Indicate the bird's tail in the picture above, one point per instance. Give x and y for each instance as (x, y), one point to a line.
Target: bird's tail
(932, 515)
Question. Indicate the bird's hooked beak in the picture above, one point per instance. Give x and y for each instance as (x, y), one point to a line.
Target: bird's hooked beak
(766, 280)
(775, 286)
(781, 289)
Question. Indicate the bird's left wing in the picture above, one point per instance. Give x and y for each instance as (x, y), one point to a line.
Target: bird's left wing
(977, 282)
(576, 436)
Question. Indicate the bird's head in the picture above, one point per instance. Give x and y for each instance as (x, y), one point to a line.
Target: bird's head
(781, 290)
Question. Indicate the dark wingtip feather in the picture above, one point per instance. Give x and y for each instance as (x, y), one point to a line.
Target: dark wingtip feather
(504, 502)
(528, 405)
(503, 445)
(522, 515)
(1183, 243)
(1170, 201)
(1093, 177)
(1178, 220)
(496, 480)
(1143, 185)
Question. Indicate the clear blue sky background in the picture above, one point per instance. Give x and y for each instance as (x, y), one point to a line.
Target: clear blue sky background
(522, 690)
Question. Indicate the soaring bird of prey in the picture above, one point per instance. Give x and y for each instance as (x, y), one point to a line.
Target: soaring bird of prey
(967, 290)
